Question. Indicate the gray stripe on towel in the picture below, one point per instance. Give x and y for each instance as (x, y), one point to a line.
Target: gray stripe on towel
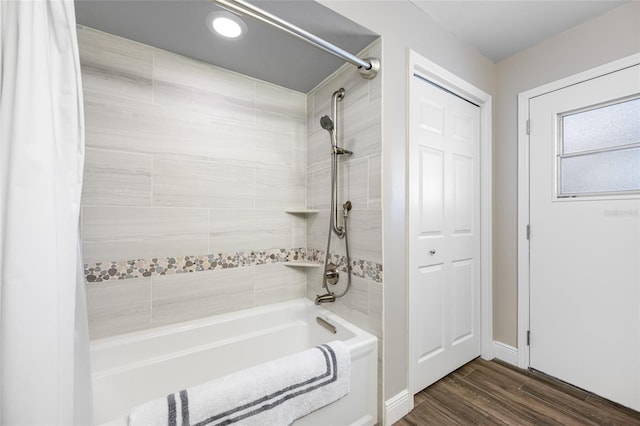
(171, 405)
(184, 400)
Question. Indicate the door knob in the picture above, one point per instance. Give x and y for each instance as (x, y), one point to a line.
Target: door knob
(432, 252)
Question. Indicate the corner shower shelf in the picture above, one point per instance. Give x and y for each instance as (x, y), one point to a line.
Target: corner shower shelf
(302, 211)
(302, 264)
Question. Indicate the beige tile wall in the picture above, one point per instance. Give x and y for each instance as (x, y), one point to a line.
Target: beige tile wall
(183, 297)
(184, 158)
(117, 307)
(359, 125)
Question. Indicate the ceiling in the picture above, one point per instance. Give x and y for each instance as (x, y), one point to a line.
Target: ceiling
(499, 29)
(264, 53)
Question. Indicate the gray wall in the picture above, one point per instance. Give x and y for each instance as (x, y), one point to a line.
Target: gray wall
(189, 168)
(599, 41)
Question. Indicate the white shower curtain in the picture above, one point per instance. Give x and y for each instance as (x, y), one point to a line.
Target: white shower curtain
(44, 374)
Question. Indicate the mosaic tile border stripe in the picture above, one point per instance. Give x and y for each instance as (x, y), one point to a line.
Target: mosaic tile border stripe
(138, 268)
(360, 268)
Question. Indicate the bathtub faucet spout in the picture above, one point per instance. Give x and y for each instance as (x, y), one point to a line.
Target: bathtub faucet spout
(325, 298)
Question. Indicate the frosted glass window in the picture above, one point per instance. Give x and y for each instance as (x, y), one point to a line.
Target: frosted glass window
(609, 171)
(604, 127)
(599, 150)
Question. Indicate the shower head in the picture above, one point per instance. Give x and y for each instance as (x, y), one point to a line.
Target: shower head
(326, 122)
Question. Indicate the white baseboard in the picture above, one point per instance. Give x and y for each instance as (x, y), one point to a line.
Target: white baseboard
(505, 353)
(397, 407)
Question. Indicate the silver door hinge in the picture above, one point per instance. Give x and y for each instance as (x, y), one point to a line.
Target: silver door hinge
(528, 337)
(528, 127)
(528, 232)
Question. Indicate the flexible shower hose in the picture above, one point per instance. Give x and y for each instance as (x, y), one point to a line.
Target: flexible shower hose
(326, 259)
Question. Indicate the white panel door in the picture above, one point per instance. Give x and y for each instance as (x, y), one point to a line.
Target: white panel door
(444, 224)
(585, 235)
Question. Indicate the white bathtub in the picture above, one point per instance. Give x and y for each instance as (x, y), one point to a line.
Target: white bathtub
(133, 368)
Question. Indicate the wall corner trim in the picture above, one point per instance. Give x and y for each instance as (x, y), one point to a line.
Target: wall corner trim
(397, 407)
(506, 353)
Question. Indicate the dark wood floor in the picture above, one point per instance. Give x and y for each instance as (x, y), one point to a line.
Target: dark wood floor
(494, 393)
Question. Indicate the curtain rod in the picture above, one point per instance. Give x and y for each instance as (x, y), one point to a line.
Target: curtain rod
(368, 67)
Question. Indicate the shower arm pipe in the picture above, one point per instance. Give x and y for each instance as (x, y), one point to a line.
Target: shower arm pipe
(368, 67)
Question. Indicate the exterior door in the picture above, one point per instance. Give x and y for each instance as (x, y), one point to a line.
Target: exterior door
(444, 233)
(585, 235)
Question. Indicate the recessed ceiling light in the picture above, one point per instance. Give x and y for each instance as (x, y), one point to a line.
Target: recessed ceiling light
(226, 25)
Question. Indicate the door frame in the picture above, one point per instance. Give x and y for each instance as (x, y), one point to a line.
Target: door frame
(433, 72)
(523, 187)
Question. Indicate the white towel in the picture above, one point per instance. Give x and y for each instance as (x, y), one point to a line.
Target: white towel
(272, 394)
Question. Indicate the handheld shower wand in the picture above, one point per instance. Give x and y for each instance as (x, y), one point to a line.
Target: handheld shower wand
(327, 123)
